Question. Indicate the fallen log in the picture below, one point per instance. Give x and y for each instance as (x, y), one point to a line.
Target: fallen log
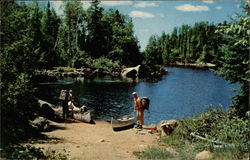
(221, 144)
(49, 109)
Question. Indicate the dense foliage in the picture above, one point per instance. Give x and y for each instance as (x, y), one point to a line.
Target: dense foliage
(187, 44)
(95, 33)
(216, 125)
(35, 37)
(19, 58)
(226, 137)
(235, 62)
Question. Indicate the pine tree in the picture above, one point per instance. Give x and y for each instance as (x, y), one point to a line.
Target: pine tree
(235, 62)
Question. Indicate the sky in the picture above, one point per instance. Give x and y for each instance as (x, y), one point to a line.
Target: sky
(154, 17)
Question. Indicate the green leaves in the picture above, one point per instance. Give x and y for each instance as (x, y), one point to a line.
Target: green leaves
(235, 64)
(221, 127)
(187, 44)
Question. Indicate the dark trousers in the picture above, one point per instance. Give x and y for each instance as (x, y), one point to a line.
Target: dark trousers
(65, 109)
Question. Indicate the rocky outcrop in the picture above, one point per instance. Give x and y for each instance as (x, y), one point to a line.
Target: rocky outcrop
(82, 72)
(131, 72)
(204, 155)
(40, 124)
(167, 127)
(143, 72)
(194, 65)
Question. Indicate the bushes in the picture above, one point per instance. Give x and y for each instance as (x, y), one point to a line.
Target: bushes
(29, 152)
(214, 125)
(105, 64)
(99, 63)
(18, 105)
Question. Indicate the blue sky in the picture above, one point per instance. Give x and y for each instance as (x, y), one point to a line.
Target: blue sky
(154, 17)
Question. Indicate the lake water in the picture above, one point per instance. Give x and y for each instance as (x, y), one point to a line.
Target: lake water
(181, 93)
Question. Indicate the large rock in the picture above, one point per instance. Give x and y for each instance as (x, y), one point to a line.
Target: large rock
(167, 127)
(204, 155)
(131, 72)
(48, 110)
(40, 123)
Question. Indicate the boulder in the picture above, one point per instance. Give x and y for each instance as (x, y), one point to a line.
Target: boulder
(131, 72)
(40, 123)
(167, 127)
(49, 110)
(204, 155)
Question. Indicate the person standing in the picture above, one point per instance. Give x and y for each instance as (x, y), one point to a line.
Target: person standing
(139, 109)
(65, 105)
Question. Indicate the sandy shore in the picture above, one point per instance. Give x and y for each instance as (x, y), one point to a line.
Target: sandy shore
(96, 141)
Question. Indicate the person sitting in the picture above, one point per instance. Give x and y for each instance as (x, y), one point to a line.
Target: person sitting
(71, 101)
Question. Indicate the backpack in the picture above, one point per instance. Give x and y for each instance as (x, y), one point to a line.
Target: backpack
(145, 102)
(63, 95)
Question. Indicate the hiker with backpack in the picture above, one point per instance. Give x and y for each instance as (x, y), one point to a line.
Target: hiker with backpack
(64, 96)
(140, 104)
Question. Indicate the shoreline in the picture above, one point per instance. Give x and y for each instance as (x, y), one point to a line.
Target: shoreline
(193, 65)
(95, 141)
(89, 73)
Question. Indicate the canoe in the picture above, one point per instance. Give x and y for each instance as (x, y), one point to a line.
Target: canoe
(124, 122)
(85, 117)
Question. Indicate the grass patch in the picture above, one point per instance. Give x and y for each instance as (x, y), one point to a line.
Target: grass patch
(214, 125)
(154, 153)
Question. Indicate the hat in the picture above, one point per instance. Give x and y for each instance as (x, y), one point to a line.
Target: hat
(134, 93)
(70, 91)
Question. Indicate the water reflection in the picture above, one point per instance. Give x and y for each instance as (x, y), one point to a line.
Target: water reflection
(181, 93)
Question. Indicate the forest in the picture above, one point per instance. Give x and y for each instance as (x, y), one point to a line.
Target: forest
(35, 38)
(186, 44)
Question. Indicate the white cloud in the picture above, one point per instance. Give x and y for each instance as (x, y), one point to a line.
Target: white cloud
(191, 8)
(116, 3)
(208, 1)
(145, 4)
(218, 7)
(139, 14)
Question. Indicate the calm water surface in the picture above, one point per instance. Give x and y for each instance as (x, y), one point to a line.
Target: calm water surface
(181, 93)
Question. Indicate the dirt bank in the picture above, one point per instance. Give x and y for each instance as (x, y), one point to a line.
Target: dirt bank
(96, 141)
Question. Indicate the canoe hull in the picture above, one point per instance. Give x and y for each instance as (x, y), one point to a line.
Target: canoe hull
(122, 123)
(85, 117)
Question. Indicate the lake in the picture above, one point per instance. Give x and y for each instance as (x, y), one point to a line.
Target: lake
(183, 92)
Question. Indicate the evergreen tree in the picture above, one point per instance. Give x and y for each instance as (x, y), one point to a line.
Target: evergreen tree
(96, 44)
(152, 53)
(235, 64)
(49, 26)
(70, 30)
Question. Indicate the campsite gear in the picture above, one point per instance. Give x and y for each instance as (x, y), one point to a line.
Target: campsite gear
(145, 103)
(85, 117)
(63, 95)
(126, 121)
(167, 127)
